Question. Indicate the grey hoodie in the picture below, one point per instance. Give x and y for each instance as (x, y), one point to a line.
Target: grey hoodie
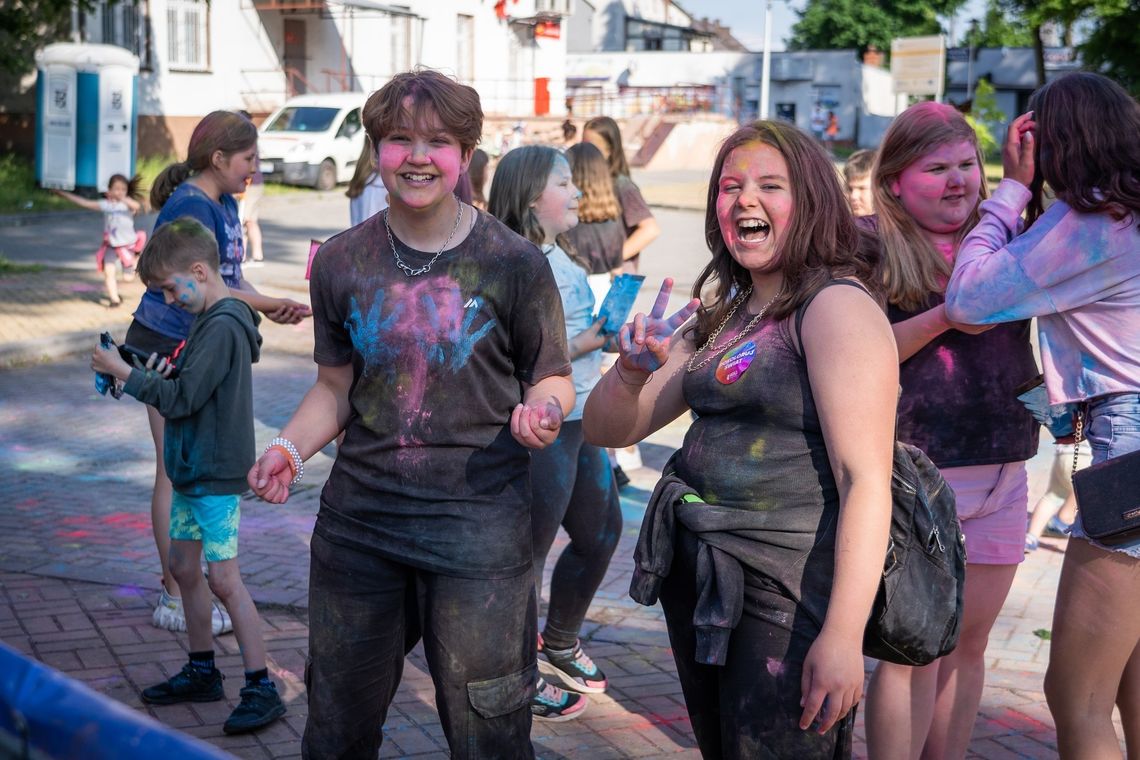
(209, 445)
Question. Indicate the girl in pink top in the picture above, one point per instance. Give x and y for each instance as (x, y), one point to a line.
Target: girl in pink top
(1077, 269)
(958, 404)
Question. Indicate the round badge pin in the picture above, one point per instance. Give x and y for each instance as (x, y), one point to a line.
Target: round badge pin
(735, 363)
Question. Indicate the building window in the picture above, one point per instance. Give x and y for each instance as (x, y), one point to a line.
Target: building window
(119, 22)
(401, 43)
(188, 34)
(465, 50)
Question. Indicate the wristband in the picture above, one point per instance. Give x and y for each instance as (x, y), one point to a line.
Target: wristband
(288, 458)
(296, 464)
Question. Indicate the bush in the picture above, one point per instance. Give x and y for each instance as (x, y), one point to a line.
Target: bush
(18, 191)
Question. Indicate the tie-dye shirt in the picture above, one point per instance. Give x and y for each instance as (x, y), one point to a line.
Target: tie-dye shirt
(1079, 274)
(429, 474)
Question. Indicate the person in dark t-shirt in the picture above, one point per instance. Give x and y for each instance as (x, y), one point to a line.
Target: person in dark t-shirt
(959, 405)
(442, 356)
(641, 227)
(775, 550)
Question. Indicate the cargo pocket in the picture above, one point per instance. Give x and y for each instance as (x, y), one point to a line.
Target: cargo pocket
(500, 696)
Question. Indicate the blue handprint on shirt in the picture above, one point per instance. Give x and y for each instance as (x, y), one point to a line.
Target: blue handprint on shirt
(371, 334)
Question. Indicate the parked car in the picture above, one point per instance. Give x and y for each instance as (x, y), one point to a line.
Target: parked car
(313, 140)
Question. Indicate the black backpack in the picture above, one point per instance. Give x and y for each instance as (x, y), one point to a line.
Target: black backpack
(917, 613)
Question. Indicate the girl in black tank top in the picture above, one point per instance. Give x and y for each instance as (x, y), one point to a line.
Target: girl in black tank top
(766, 535)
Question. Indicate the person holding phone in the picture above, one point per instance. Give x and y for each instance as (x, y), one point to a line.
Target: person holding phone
(534, 195)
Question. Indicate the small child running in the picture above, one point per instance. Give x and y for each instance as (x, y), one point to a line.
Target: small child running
(119, 206)
(208, 448)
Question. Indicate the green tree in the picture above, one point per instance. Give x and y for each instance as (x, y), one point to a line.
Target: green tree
(28, 25)
(999, 27)
(838, 24)
(986, 118)
(1112, 45)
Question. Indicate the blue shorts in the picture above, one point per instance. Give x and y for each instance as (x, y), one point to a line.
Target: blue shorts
(213, 520)
(1113, 429)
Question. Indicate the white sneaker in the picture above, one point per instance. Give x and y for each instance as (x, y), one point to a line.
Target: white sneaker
(169, 615)
(628, 458)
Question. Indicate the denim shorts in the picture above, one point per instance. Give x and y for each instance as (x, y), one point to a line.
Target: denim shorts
(1112, 429)
(213, 520)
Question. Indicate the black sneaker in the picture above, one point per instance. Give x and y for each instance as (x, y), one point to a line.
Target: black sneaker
(260, 706)
(555, 705)
(620, 477)
(188, 685)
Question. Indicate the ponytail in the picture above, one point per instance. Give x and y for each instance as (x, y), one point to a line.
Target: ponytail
(226, 131)
(166, 182)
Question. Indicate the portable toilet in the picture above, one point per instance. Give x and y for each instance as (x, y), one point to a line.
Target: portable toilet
(87, 115)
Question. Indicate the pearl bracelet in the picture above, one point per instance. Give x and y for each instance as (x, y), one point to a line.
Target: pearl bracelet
(298, 464)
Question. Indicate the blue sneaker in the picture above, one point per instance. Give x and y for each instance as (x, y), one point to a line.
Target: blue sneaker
(555, 705)
(573, 667)
(1057, 527)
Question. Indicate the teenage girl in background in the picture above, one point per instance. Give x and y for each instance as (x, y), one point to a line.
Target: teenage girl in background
(641, 228)
(221, 156)
(533, 194)
(599, 235)
(366, 192)
(959, 405)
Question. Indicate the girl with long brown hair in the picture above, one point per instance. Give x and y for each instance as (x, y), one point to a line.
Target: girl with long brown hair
(533, 194)
(641, 227)
(221, 154)
(776, 508)
(1077, 270)
(959, 405)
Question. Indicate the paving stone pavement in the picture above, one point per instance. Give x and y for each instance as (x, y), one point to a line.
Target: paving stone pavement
(79, 575)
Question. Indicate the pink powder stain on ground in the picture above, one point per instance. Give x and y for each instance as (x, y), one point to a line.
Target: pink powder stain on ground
(84, 288)
(128, 521)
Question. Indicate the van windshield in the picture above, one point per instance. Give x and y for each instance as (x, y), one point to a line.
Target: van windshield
(303, 119)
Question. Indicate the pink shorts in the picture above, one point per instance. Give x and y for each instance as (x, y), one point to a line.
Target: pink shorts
(992, 502)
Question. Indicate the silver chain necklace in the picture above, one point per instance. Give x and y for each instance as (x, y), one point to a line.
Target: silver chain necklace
(715, 351)
(408, 271)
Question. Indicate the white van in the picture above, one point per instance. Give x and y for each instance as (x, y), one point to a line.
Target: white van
(313, 140)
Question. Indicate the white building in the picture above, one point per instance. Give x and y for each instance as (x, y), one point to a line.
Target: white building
(634, 25)
(198, 56)
(626, 84)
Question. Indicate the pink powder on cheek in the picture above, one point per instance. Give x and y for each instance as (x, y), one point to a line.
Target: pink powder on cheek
(448, 160)
(392, 157)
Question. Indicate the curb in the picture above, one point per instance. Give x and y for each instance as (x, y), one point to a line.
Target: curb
(675, 207)
(40, 217)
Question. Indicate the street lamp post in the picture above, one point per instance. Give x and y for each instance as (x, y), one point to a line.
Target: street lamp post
(766, 74)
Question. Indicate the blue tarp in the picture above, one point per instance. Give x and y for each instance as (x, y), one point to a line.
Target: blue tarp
(45, 714)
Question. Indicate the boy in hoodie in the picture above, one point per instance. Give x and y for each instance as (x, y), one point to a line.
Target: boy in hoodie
(208, 448)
